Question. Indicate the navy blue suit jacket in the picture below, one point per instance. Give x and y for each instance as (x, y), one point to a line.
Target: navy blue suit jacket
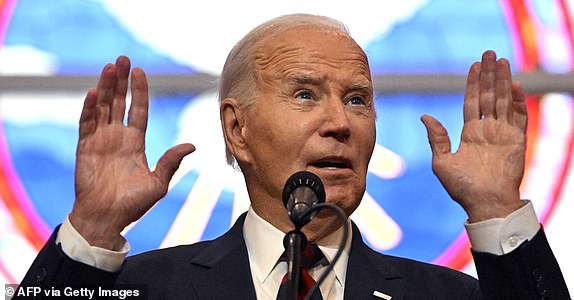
(219, 269)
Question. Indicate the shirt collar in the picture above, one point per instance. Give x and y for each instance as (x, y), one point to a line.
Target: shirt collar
(265, 245)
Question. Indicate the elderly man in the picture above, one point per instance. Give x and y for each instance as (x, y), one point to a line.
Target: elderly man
(296, 94)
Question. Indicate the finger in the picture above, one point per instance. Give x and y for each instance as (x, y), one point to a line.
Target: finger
(88, 116)
(487, 77)
(106, 90)
(519, 108)
(119, 104)
(137, 116)
(503, 91)
(170, 161)
(471, 110)
(437, 135)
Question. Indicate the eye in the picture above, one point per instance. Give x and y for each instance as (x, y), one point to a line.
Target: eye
(356, 100)
(304, 94)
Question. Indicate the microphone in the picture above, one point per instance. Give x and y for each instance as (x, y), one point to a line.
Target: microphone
(302, 191)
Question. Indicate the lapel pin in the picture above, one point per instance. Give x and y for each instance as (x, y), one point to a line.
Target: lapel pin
(382, 295)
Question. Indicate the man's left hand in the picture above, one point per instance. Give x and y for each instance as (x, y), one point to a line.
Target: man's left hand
(485, 173)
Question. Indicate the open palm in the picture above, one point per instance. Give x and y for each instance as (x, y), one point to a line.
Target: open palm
(114, 185)
(485, 173)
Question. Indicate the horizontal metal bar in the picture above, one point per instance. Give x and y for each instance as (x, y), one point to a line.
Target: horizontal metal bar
(455, 83)
(198, 83)
(158, 84)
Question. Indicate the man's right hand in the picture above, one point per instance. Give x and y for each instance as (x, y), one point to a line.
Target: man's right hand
(114, 185)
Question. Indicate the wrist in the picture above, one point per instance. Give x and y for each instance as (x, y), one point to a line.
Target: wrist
(487, 211)
(98, 233)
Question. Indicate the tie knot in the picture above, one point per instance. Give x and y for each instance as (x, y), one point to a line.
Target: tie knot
(312, 256)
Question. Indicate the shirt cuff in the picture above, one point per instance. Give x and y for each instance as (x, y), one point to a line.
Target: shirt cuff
(78, 249)
(500, 236)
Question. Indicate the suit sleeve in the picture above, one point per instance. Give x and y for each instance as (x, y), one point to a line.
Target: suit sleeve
(52, 267)
(529, 272)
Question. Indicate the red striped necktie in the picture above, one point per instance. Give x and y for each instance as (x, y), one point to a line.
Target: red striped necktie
(310, 258)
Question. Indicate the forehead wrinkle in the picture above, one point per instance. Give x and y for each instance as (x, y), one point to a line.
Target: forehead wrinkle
(294, 67)
(264, 61)
(276, 59)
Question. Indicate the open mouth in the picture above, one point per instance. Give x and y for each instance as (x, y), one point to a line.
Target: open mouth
(332, 163)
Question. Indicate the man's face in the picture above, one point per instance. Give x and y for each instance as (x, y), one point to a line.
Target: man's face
(313, 111)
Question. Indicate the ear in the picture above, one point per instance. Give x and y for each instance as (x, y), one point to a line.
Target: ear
(233, 125)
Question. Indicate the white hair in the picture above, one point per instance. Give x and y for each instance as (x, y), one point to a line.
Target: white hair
(238, 78)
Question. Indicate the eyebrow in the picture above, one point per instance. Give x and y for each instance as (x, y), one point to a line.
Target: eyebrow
(315, 80)
(305, 79)
(361, 86)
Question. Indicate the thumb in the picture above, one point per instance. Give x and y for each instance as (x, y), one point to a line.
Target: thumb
(437, 135)
(170, 160)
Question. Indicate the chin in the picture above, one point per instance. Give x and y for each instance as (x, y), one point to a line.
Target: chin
(345, 200)
(322, 225)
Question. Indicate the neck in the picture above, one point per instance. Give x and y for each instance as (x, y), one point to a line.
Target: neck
(320, 226)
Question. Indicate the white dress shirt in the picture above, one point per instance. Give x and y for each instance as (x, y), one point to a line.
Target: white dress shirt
(264, 246)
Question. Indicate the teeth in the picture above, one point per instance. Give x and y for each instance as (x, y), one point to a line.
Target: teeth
(330, 165)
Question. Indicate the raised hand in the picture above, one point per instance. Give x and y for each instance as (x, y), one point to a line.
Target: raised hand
(485, 173)
(114, 185)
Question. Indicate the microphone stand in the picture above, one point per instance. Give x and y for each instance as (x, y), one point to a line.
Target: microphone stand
(302, 191)
(294, 242)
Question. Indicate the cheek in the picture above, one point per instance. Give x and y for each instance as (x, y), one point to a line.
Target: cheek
(271, 139)
(367, 139)
(289, 130)
(372, 140)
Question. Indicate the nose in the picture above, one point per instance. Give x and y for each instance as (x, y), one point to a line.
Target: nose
(336, 122)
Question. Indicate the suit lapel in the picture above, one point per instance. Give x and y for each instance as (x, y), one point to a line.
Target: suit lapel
(224, 272)
(223, 266)
(368, 274)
